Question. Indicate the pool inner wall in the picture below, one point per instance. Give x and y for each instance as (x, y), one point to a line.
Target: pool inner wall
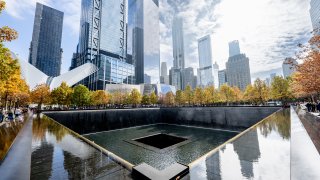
(229, 118)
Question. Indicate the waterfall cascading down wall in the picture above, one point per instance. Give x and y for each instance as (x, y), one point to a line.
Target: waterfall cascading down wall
(89, 121)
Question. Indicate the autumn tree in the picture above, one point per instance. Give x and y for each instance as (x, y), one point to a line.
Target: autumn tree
(62, 95)
(80, 95)
(238, 94)
(180, 99)
(188, 94)
(6, 33)
(227, 94)
(261, 91)
(99, 98)
(40, 95)
(153, 98)
(249, 94)
(169, 99)
(145, 100)
(306, 81)
(135, 97)
(198, 96)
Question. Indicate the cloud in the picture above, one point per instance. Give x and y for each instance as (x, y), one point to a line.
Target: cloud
(268, 31)
(71, 8)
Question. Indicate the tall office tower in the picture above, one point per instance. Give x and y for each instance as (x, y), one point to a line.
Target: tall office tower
(144, 38)
(234, 48)
(315, 14)
(215, 67)
(222, 77)
(102, 41)
(205, 62)
(164, 78)
(178, 53)
(289, 67)
(194, 82)
(188, 77)
(178, 43)
(45, 48)
(238, 71)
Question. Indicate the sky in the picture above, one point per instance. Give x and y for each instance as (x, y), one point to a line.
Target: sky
(268, 30)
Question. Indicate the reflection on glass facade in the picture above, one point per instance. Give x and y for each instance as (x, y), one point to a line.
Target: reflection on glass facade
(143, 39)
(103, 42)
(315, 14)
(45, 47)
(205, 71)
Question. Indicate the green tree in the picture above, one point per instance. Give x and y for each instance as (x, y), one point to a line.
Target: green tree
(62, 95)
(280, 89)
(145, 100)
(41, 95)
(135, 97)
(153, 98)
(198, 96)
(180, 99)
(188, 93)
(80, 95)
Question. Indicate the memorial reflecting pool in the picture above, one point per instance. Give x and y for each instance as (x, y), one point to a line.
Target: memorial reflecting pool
(200, 141)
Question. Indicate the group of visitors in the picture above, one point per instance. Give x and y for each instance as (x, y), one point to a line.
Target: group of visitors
(313, 107)
(10, 115)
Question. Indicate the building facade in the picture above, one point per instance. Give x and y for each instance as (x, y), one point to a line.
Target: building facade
(205, 71)
(45, 48)
(234, 48)
(144, 39)
(315, 14)
(102, 41)
(164, 78)
(187, 78)
(215, 68)
(289, 67)
(238, 71)
(222, 77)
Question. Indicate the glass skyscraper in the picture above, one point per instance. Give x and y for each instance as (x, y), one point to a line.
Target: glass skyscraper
(234, 48)
(205, 71)
(45, 48)
(102, 42)
(315, 14)
(238, 71)
(143, 39)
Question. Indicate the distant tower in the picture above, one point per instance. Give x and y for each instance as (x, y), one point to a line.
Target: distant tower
(238, 71)
(222, 77)
(164, 78)
(45, 48)
(289, 66)
(315, 14)
(205, 71)
(234, 48)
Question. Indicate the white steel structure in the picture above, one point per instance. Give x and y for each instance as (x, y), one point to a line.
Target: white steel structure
(34, 76)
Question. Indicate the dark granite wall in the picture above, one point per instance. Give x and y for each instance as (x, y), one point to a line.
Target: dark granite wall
(89, 121)
(225, 117)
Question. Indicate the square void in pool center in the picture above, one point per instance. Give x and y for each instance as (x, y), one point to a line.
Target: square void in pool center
(143, 144)
(161, 141)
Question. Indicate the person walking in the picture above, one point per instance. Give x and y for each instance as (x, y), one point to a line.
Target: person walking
(1, 115)
(308, 105)
(318, 107)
